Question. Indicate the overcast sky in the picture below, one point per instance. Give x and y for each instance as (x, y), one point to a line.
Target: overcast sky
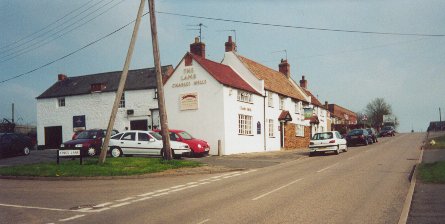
(346, 68)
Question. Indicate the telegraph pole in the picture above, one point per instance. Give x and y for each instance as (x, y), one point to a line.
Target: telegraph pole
(440, 115)
(159, 83)
(120, 89)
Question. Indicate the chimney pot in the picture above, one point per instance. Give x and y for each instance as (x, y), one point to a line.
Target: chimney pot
(230, 45)
(284, 67)
(198, 48)
(303, 82)
(61, 77)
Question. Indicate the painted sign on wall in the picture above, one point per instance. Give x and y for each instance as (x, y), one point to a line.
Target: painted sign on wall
(188, 101)
(79, 123)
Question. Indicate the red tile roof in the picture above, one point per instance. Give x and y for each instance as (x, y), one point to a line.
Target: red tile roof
(314, 99)
(274, 80)
(224, 74)
(285, 116)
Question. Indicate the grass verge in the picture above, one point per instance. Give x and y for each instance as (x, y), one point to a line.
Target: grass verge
(432, 172)
(439, 143)
(123, 166)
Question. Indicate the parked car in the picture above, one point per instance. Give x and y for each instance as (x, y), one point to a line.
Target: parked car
(373, 134)
(90, 141)
(358, 136)
(198, 147)
(15, 144)
(330, 141)
(144, 143)
(387, 131)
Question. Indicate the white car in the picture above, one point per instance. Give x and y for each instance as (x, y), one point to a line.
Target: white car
(143, 143)
(327, 141)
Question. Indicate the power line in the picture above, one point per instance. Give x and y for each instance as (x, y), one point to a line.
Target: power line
(302, 27)
(38, 31)
(67, 55)
(39, 44)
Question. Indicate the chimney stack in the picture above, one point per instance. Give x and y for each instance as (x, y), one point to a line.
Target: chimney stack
(326, 105)
(303, 83)
(61, 77)
(198, 48)
(284, 68)
(230, 46)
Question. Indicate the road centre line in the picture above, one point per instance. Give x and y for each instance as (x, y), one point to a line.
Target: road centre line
(204, 221)
(119, 205)
(71, 218)
(125, 199)
(103, 204)
(277, 189)
(327, 168)
(34, 207)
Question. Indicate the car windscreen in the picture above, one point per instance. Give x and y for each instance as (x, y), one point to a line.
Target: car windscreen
(355, 132)
(156, 135)
(185, 135)
(322, 136)
(87, 135)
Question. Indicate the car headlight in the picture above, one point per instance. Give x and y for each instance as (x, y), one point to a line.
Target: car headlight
(78, 146)
(62, 145)
(199, 146)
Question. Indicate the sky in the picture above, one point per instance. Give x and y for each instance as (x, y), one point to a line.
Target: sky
(349, 69)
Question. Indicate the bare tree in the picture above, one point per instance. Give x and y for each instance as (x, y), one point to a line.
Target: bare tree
(375, 111)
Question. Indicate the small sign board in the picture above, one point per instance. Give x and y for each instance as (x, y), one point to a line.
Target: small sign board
(69, 153)
(258, 128)
(79, 123)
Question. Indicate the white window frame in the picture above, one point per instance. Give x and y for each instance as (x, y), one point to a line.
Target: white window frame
(244, 96)
(122, 101)
(271, 128)
(270, 99)
(244, 124)
(61, 102)
(282, 99)
(299, 130)
(298, 107)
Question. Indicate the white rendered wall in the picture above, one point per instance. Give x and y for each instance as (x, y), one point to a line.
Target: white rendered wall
(97, 109)
(206, 122)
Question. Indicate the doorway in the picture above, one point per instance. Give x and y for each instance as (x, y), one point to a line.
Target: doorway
(53, 137)
(139, 125)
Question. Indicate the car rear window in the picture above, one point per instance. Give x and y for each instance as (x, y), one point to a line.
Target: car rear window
(356, 132)
(323, 136)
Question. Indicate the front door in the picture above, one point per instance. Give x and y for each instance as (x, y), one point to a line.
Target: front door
(53, 137)
(139, 125)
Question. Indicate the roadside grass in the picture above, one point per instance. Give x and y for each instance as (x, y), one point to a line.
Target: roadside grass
(123, 166)
(439, 143)
(432, 172)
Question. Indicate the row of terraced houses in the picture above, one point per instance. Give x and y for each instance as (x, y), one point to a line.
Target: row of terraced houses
(240, 103)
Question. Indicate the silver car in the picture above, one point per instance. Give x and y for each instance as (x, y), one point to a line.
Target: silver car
(327, 141)
(143, 143)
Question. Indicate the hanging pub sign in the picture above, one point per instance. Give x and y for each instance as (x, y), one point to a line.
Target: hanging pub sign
(79, 123)
(308, 112)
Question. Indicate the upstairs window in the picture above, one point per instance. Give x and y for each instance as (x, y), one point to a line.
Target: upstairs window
(61, 102)
(244, 96)
(97, 87)
(298, 107)
(270, 99)
(282, 103)
(122, 102)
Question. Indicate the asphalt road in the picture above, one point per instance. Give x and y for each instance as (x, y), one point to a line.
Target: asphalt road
(367, 184)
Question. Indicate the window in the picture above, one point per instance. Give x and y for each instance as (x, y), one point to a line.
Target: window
(281, 103)
(298, 107)
(129, 136)
(299, 129)
(270, 99)
(244, 97)
(244, 124)
(271, 128)
(143, 137)
(156, 94)
(122, 102)
(61, 102)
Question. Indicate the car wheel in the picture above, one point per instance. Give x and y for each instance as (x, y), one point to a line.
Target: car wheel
(192, 154)
(345, 149)
(366, 142)
(311, 154)
(337, 151)
(116, 152)
(26, 151)
(91, 151)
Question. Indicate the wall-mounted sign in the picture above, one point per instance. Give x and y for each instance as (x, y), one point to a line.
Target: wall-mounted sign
(79, 123)
(188, 101)
(189, 78)
(258, 128)
(308, 112)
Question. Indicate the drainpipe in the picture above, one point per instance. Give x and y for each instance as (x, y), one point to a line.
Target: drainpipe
(264, 121)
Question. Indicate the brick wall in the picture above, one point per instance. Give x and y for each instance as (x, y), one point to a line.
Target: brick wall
(294, 142)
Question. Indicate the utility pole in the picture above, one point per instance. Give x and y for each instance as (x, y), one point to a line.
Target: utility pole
(440, 115)
(13, 112)
(159, 83)
(120, 89)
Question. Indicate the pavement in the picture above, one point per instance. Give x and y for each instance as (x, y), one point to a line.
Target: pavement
(428, 202)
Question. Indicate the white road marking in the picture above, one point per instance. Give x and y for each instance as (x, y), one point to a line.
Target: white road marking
(34, 207)
(146, 194)
(119, 205)
(191, 183)
(141, 199)
(204, 221)
(157, 195)
(125, 199)
(178, 186)
(277, 189)
(71, 218)
(103, 204)
(327, 168)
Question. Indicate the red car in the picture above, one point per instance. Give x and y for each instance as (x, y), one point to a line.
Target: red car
(198, 147)
(90, 141)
